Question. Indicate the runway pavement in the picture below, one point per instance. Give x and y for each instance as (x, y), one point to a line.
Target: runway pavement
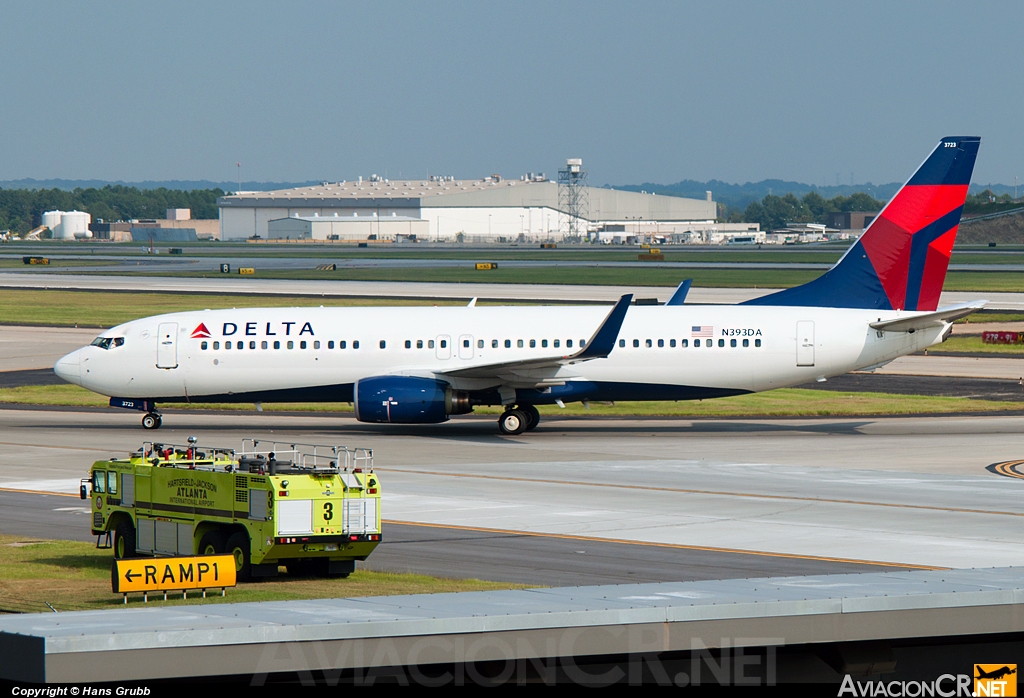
(463, 553)
(904, 491)
(393, 289)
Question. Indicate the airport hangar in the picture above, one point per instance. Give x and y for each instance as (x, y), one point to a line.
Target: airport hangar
(492, 209)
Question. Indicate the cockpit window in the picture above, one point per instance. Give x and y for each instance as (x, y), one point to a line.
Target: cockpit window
(107, 342)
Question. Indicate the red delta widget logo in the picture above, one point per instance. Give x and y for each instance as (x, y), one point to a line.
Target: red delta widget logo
(256, 329)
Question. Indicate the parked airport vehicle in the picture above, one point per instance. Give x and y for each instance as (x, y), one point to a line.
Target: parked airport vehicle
(422, 365)
(314, 509)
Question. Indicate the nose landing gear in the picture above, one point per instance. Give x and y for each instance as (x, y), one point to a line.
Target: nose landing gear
(151, 421)
(519, 419)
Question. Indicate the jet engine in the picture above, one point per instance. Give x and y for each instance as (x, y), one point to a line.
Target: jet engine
(407, 400)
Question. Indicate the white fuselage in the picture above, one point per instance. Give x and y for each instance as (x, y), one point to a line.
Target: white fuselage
(656, 354)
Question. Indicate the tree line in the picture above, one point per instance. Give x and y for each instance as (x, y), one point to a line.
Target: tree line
(21, 210)
(774, 212)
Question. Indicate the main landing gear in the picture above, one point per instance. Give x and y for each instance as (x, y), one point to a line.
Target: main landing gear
(518, 419)
(151, 421)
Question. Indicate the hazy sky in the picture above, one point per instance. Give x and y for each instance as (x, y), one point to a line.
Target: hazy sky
(738, 91)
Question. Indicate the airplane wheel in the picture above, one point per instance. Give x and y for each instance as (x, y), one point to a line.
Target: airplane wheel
(151, 421)
(513, 422)
(532, 416)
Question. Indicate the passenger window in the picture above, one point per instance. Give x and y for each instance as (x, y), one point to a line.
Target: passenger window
(277, 344)
(216, 345)
(341, 345)
(732, 342)
(419, 343)
(636, 343)
(203, 345)
(383, 344)
(479, 344)
(696, 342)
(302, 344)
(649, 343)
(721, 342)
(408, 344)
(544, 343)
(508, 343)
(684, 343)
(355, 343)
(112, 482)
(494, 344)
(746, 342)
(583, 343)
(99, 481)
(227, 345)
(519, 343)
(444, 343)
(622, 342)
(661, 343)
(252, 344)
(316, 344)
(533, 343)
(330, 344)
(263, 344)
(568, 343)
(291, 344)
(557, 342)
(672, 343)
(465, 343)
(757, 342)
(430, 344)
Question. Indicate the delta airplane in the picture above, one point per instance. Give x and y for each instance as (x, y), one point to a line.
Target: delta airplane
(419, 365)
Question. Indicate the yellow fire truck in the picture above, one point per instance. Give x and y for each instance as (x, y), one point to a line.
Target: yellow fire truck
(314, 509)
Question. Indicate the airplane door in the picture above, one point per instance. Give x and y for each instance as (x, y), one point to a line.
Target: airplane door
(444, 346)
(466, 346)
(805, 343)
(167, 347)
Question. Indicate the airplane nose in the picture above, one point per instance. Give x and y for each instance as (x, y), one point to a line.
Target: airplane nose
(69, 367)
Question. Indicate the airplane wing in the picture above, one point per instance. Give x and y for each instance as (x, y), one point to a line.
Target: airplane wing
(599, 346)
(933, 319)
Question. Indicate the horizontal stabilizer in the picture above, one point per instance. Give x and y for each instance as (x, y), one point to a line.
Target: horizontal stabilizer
(927, 320)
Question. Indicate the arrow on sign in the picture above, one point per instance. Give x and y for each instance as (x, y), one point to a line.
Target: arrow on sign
(128, 575)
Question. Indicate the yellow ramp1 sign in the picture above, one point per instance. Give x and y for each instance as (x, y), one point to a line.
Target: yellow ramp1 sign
(172, 573)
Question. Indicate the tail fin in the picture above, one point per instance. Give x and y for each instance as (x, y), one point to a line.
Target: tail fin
(900, 261)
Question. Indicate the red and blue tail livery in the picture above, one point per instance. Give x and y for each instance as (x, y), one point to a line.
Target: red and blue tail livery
(900, 261)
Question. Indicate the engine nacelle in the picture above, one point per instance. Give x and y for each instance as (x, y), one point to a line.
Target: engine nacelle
(407, 400)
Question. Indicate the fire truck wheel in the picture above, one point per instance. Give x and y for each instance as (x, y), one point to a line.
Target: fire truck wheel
(532, 416)
(124, 541)
(212, 543)
(151, 421)
(512, 422)
(238, 548)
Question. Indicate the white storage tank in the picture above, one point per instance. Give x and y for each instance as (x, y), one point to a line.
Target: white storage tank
(51, 219)
(75, 225)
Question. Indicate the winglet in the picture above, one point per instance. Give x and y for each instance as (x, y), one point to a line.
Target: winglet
(680, 295)
(603, 341)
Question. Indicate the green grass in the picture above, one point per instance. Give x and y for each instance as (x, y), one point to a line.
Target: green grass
(977, 318)
(786, 402)
(102, 309)
(973, 343)
(986, 281)
(71, 575)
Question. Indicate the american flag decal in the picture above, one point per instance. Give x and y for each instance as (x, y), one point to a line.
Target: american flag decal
(702, 331)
